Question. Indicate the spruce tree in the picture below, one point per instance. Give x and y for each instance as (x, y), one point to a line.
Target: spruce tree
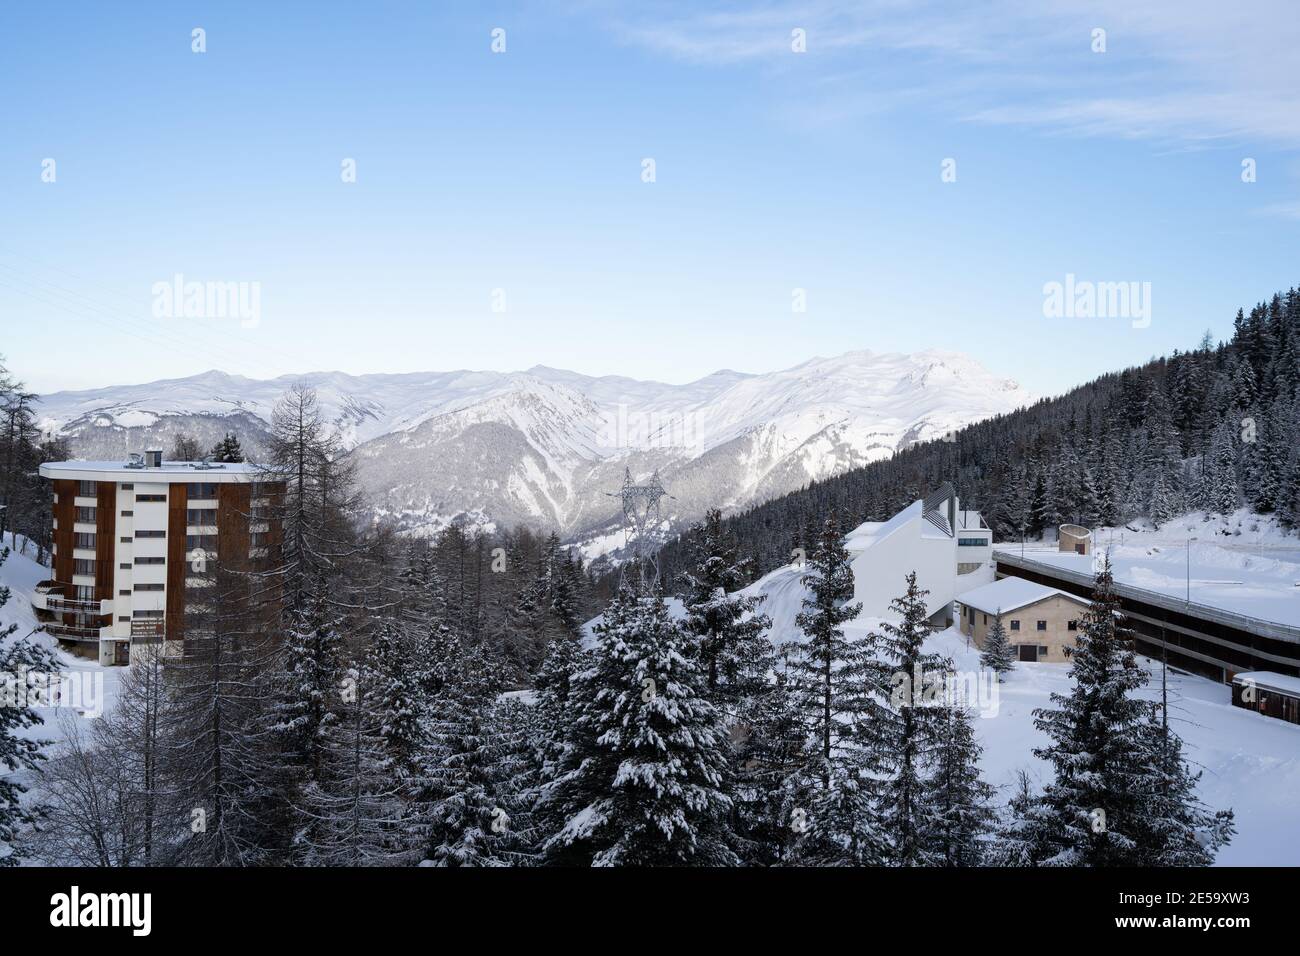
(730, 632)
(1103, 807)
(17, 753)
(644, 781)
(958, 814)
(831, 681)
(228, 450)
(998, 654)
(913, 685)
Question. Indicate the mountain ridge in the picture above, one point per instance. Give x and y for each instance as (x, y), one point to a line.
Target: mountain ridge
(545, 446)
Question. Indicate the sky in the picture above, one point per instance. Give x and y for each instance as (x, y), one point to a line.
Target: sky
(914, 178)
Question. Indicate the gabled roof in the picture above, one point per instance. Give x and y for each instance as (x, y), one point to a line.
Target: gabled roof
(1010, 594)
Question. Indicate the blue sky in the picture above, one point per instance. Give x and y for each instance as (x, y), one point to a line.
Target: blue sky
(521, 171)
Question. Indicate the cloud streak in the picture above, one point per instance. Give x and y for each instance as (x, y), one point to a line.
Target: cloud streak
(1174, 70)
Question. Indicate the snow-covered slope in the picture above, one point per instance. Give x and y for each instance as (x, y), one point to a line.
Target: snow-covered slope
(545, 446)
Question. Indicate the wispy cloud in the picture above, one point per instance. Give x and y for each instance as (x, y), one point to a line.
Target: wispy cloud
(1178, 70)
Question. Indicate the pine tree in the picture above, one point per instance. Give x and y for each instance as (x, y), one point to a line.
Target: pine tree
(913, 685)
(352, 806)
(730, 632)
(998, 654)
(958, 813)
(228, 450)
(468, 824)
(769, 789)
(17, 753)
(1110, 762)
(644, 782)
(1181, 831)
(831, 680)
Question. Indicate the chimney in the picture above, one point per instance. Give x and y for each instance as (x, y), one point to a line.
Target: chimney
(153, 458)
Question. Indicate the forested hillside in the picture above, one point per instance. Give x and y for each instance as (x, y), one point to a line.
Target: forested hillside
(1213, 428)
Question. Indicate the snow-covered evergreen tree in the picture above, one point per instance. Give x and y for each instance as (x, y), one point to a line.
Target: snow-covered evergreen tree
(352, 807)
(831, 681)
(644, 782)
(998, 655)
(1112, 765)
(468, 824)
(958, 814)
(228, 450)
(730, 632)
(17, 753)
(914, 685)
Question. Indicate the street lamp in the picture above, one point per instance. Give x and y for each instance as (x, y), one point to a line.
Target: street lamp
(1189, 569)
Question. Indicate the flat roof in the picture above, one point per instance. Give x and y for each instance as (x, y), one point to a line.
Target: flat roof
(1264, 600)
(170, 471)
(1269, 680)
(1010, 594)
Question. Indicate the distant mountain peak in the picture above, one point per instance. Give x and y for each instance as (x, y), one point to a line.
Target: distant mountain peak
(543, 446)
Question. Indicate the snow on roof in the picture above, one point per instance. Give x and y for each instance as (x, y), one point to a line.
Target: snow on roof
(1282, 683)
(1010, 594)
(1232, 574)
(872, 532)
(119, 470)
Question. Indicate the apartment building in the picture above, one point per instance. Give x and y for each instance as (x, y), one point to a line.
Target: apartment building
(134, 540)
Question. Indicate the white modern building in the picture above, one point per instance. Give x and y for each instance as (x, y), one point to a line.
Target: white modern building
(934, 537)
(131, 538)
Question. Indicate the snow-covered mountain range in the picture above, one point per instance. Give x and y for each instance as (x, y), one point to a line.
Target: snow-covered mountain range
(545, 446)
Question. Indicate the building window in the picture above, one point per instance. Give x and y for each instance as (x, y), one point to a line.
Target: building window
(1042, 625)
(124, 592)
(1043, 650)
(85, 514)
(153, 615)
(84, 539)
(150, 560)
(128, 514)
(125, 565)
(83, 566)
(128, 486)
(126, 539)
(150, 497)
(985, 617)
(1073, 625)
(83, 592)
(204, 491)
(151, 534)
(1015, 625)
(200, 516)
(123, 618)
(972, 542)
(86, 489)
(148, 587)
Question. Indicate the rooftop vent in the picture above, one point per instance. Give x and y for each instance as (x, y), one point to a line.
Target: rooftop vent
(135, 460)
(153, 458)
